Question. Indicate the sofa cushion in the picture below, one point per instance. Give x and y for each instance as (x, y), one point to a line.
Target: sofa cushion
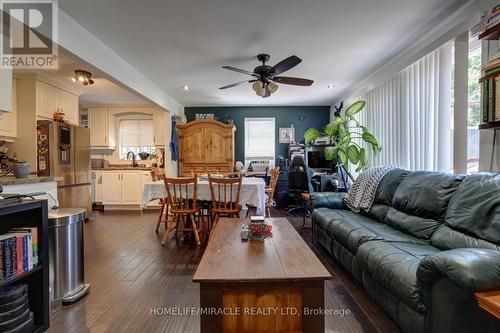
(394, 265)
(322, 217)
(475, 207)
(354, 231)
(420, 202)
(385, 192)
(446, 238)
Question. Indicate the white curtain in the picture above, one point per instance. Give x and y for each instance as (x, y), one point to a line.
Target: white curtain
(410, 114)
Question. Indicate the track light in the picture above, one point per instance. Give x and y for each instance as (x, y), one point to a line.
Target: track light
(83, 77)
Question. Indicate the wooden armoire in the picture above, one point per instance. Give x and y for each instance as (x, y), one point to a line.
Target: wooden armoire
(205, 146)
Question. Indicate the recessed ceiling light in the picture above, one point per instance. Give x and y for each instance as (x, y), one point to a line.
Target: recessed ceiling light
(185, 88)
(331, 86)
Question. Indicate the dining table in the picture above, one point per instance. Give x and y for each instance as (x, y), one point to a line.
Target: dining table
(252, 192)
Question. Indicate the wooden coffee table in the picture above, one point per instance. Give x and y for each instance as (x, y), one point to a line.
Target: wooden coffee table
(275, 286)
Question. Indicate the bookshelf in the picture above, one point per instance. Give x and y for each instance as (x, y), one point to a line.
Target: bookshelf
(31, 214)
(492, 33)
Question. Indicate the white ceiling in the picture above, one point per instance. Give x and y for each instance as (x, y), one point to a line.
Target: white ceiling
(102, 92)
(179, 42)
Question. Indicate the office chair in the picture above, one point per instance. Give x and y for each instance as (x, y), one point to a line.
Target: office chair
(299, 182)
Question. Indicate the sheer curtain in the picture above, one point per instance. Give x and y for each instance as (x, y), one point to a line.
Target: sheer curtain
(410, 114)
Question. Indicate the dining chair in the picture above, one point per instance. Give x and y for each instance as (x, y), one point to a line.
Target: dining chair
(269, 191)
(156, 175)
(182, 199)
(225, 195)
(271, 188)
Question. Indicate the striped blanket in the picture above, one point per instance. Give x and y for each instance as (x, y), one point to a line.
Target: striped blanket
(362, 192)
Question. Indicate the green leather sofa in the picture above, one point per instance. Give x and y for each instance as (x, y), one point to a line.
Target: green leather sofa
(428, 243)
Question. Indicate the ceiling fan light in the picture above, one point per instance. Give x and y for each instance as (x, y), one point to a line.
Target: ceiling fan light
(272, 87)
(258, 87)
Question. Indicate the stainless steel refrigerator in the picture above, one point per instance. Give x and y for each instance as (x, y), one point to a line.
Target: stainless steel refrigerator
(64, 153)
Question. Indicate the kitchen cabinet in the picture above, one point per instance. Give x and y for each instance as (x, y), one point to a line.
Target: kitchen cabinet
(102, 128)
(122, 187)
(50, 98)
(8, 120)
(159, 124)
(112, 185)
(6, 91)
(47, 100)
(131, 188)
(146, 178)
(68, 103)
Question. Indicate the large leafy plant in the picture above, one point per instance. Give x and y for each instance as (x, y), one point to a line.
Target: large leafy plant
(344, 131)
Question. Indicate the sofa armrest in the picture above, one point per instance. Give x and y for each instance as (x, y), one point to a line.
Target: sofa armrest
(470, 268)
(333, 200)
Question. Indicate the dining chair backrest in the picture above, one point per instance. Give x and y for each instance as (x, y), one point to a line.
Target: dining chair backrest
(225, 192)
(156, 174)
(275, 173)
(181, 193)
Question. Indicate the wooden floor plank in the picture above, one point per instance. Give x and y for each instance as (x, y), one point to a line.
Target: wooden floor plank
(131, 273)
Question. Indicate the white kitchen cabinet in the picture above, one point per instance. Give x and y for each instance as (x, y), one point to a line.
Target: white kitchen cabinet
(112, 184)
(102, 128)
(47, 100)
(5, 90)
(68, 103)
(159, 123)
(8, 120)
(131, 188)
(122, 187)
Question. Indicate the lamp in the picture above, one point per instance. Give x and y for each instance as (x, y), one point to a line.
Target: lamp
(259, 88)
(83, 77)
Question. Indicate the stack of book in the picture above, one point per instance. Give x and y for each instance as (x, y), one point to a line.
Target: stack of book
(18, 251)
(491, 18)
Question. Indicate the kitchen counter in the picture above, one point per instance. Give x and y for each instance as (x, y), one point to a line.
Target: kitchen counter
(119, 168)
(11, 180)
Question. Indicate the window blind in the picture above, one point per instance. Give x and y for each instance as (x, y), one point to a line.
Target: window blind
(259, 138)
(136, 133)
(410, 114)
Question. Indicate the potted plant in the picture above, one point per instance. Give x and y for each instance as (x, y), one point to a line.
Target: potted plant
(343, 131)
(21, 169)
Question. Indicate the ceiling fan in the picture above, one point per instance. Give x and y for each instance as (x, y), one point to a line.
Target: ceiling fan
(264, 76)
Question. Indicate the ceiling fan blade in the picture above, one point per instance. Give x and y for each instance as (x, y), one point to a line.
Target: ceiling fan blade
(237, 84)
(234, 69)
(286, 64)
(296, 81)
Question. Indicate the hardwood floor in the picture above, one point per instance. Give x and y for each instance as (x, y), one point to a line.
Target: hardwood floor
(132, 276)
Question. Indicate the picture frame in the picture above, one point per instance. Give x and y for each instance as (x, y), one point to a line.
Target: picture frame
(287, 135)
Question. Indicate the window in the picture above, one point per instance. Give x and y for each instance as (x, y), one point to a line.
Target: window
(259, 139)
(473, 110)
(136, 135)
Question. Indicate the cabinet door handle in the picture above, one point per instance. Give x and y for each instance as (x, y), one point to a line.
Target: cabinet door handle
(106, 139)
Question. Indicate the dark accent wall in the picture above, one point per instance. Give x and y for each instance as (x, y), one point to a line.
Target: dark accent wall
(285, 116)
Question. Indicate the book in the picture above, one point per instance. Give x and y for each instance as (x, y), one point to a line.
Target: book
(34, 243)
(26, 252)
(8, 244)
(491, 100)
(19, 254)
(485, 101)
(497, 98)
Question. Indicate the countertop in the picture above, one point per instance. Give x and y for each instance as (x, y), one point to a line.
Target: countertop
(11, 180)
(119, 168)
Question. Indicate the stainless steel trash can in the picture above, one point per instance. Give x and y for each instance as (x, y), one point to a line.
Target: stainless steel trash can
(66, 271)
